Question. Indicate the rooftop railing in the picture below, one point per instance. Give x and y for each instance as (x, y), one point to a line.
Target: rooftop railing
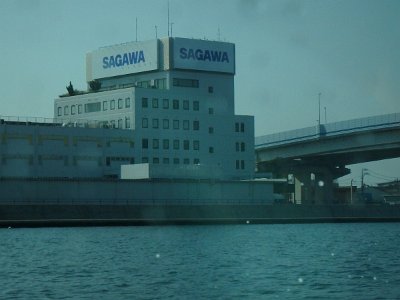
(62, 122)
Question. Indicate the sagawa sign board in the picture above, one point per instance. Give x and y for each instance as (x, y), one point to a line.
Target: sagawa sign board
(122, 59)
(203, 55)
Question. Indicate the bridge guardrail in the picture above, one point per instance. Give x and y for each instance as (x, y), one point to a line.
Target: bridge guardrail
(330, 129)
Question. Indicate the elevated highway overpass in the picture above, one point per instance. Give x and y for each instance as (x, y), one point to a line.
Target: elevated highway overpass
(321, 153)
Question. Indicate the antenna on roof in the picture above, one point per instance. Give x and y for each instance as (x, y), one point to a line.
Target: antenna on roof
(156, 31)
(136, 29)
(168, 18)
(219, 34)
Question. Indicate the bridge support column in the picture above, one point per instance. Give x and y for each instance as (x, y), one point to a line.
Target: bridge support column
(313, 186)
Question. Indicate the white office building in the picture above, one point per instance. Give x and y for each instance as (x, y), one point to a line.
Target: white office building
(176, 96)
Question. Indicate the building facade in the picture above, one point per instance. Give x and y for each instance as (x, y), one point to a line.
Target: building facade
(176, 98)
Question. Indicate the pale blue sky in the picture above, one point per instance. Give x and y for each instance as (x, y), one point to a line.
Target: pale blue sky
(287, 51)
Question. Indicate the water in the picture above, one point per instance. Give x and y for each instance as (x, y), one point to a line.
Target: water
(298, 261)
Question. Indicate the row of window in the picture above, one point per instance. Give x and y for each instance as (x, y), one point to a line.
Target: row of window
(240, 164)
(155, 124)
(94, 107)
(175, 144)
(167, 160)
(166, 104)
(119, 124)
(183, 82)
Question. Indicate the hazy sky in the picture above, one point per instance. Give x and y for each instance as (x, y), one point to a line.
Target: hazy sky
(287, 51)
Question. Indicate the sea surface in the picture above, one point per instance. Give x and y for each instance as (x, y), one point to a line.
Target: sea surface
(296, 261)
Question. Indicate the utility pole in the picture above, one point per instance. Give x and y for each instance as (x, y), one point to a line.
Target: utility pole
(363, 173)
(351, 191)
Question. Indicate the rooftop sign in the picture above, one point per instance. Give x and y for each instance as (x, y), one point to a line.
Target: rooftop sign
(203, 55)
(122, 59)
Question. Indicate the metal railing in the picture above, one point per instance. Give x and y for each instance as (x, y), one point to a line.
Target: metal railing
(331, 129)
(59, 121)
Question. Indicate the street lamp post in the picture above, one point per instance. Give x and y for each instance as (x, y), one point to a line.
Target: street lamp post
(319, 109)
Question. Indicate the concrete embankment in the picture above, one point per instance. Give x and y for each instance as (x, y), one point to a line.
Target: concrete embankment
(100, 215)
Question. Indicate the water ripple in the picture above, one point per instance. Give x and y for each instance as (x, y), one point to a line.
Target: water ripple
(304, 261)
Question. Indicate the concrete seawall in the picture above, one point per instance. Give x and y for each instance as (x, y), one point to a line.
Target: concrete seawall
(99, 215)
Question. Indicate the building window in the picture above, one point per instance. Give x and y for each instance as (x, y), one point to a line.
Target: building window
(145, 123)
(127, 102)
(211, 89)
(186, 161)
(120, 104)
(155, 144)
(241, 127)
(165, 123)
(237, 127)
(165, 144)
(145, 160)
(145, 102)
(237, 146)
(127, 122)
(119, 123)
(105, 105)
(196, 105)
(185, 125)
(175, 104)
(176, 124)
(196, 125)
(92, 107)
(156, 160)
(73, 109)
(160, 84)
(80, 108)
(165, 161)
(237, 164)
(155, 123)
(210, 130)
(183, 82)
(242, 164)
(165, 103)
(196, 145)
(112, 123)
(186, 145)
(59, 111)
(143, 84)
(145, 143)
(196, 161)
(155, 103)
(185, 104)
(176, 161)
(210, 111)
(112, 104)
(66, 110)
(242, 147)
(176, 144)
(210, 149)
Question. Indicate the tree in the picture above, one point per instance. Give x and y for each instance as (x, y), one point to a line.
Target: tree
(95, 85)
(70, 89)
